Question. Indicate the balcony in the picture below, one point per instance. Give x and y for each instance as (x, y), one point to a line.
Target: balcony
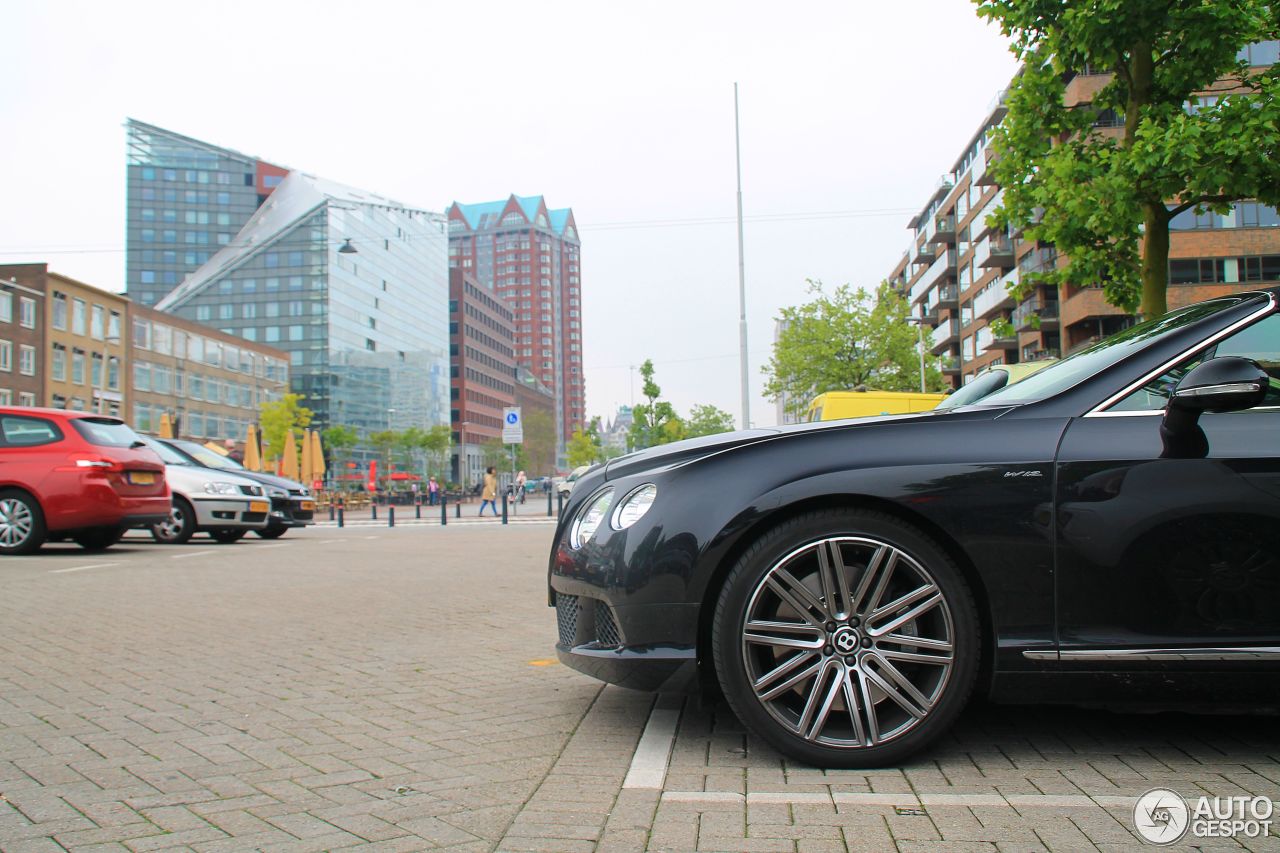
(995, 251)
(949, 297)
(981, 168)
(926, 254)
(943, 270)
(929, 314)
(950, 364)
(1031, 353)
(944, 229)
(1025, 315)
(994, 297)
(978, 224)
(1042, 259)
(945, 335)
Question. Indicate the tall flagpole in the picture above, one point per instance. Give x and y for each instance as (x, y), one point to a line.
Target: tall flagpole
(742, 278)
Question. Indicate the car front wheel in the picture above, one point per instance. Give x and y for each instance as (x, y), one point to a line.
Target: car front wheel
(178, 527)
(22, 528)
(846, 639)
(272, 531)
(227, 535)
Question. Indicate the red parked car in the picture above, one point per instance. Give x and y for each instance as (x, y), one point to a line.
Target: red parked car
(74, 475)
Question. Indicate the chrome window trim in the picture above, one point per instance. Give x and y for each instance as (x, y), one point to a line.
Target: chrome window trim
(1240, 653)
(1098, 410)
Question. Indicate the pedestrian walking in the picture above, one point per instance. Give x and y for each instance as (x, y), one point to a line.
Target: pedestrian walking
(490, 494)
(433, 491)
(521, 479)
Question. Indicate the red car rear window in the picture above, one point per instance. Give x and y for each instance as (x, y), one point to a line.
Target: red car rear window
(105, 432)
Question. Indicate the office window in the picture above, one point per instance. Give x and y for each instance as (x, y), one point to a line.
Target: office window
(113, 374)
(141, 375)
(27, 312)
(77, 367)
(59, 317)
(26, 398)
(6, 397)
(226, 311)
(204, 312)
(96, 320)
(79, 316)
(27, 360)
(6, 356)
(149, 276)
(58, 363)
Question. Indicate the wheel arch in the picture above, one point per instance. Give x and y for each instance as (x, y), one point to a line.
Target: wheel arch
(18, 487)
(706, 610)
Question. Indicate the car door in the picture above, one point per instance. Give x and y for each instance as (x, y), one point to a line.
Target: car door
(1165, 553)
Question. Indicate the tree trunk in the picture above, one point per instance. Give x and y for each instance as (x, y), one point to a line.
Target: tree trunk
(1155, 259)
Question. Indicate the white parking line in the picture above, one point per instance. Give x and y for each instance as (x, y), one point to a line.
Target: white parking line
(653, 753)
(276, 545)
(192, 554)
(83, 568)
(917, 799)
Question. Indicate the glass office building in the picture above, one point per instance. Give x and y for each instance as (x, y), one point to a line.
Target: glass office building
(185, 199)
(354, 286)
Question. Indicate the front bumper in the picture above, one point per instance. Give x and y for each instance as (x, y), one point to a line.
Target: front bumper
(591, 642)
(292, 512)
(226, 511)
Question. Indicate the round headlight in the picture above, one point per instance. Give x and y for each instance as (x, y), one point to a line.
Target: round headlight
(587, 524)
(633, 507)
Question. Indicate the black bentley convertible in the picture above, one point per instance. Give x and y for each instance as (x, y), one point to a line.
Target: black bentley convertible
(1107, 529)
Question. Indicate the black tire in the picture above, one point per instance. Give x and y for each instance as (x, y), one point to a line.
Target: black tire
(865, 681)
(22, 528)
(99, 538)
(180, 527)
(227, 535)
(275, 531)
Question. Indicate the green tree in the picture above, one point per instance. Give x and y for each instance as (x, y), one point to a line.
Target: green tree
(339, 440)
(279, 417)
(583, 448)
(1106, 199)
(435, 443)
(384, 442)
(708, 420)
(656, 421)
(848, 338)
(539, 441)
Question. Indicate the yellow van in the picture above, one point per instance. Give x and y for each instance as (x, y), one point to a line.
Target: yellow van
(836, 405)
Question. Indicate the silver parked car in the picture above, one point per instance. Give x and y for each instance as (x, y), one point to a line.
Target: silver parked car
(222, 504)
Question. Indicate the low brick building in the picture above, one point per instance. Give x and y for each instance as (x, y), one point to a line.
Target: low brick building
(22, 335)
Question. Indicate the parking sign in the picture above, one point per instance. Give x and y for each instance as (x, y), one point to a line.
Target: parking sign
(512, 426)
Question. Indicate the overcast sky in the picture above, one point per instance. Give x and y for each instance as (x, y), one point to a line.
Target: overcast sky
(850, 112)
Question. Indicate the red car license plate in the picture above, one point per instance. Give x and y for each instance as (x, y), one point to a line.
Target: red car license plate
(142, 478)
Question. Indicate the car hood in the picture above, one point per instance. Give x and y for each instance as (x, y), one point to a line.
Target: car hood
(272, 480)
(697, 448)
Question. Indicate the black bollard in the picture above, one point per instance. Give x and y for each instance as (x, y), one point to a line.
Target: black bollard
(331, 512)
(444, 510)
(374, 506)
(559, 504)
(391, 516)
(457, 510)
(548, 504)
(504, 509)
(340, 516)
(417, 510)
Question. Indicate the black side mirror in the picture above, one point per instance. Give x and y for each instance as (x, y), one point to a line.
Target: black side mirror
(1226, 384)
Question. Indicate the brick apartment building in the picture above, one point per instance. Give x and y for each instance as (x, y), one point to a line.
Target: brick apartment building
(22, 335)
(482, 372)
(530, 256)
(956, 271)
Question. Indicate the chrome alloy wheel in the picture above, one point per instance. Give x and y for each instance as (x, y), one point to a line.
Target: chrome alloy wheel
(171, 528)
(848, 642)
(16, 522)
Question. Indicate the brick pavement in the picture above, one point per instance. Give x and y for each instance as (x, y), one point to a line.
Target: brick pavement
(396, 690)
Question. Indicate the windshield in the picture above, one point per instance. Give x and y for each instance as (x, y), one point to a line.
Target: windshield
(991, 380)
(167, 454)
(207, 457)
(1077, 367)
